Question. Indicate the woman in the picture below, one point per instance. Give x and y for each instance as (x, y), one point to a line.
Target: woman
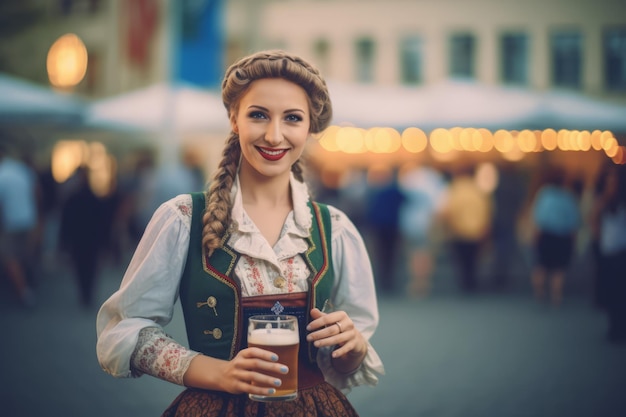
(557, 218)
(610, 221)
(259, 243)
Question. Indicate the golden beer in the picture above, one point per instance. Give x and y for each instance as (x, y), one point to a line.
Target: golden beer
(278, 334)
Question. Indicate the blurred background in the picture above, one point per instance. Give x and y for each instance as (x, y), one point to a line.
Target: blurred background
(463, 131)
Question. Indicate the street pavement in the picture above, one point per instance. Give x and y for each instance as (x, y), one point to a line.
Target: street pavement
(449, 355)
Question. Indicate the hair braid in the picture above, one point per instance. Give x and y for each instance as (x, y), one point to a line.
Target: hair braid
(216, 218)
(297, 170)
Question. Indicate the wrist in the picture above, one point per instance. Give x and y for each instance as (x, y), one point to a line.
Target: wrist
(350, 362)
(204, 372)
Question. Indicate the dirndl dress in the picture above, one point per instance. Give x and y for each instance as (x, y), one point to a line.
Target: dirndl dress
(316, 397)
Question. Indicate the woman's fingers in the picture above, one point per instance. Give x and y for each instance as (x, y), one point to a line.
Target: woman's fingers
(330, 329)
(257, 371)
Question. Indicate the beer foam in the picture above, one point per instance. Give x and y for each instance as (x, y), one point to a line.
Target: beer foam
(273, 337)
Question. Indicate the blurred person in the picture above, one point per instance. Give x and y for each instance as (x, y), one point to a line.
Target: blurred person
(508, 197)
(601, 192)
(467, 215)
(611, 227)
(253, 242)
(49, 215)
(83, 233)
(556, 218)
(424, 189)
(352, 193)
(383, 205)
(18, 224)
(159, 183)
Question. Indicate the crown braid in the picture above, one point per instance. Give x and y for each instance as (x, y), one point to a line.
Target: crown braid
(279, 64)
(237, 80)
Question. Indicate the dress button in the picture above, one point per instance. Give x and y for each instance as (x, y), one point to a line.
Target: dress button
(280, 282)
(216, 333)
(210, 302)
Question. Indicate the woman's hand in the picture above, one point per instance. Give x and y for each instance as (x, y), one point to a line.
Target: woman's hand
(337, 329)
(245, 373)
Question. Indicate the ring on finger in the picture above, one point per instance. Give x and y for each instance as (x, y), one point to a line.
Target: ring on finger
(339, 325)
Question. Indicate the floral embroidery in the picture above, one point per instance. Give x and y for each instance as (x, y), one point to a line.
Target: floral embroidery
(257, 276)
(253, 274)
(182, 205)
(158, 355)
(288, 273)
(184, 209)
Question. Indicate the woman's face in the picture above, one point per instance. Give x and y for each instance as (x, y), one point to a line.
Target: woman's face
(273, 123)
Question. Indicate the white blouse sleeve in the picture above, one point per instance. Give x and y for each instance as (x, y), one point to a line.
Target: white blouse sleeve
(354, 293)
(148, 290)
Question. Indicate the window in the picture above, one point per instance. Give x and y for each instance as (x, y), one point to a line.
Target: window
(321, 50)
(78, 7)
(411, 60)
(462, 51)
(514, 53)
(365, 60)
(566, 50)
(615, 59)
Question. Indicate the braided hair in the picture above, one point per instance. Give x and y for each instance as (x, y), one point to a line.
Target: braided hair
(237, 81)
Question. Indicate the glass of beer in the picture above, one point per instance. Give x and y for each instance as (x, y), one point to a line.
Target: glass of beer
(278, 334)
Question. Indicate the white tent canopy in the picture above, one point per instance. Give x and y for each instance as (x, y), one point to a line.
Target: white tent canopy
(26, 103)
(162, 108)
(574, 111)
(470, 104)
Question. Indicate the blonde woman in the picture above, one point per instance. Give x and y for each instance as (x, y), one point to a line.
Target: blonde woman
(253, 241)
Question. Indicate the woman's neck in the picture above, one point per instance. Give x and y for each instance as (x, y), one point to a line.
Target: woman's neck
(266, 192)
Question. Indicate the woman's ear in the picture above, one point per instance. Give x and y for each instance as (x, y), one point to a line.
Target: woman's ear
(233, 125)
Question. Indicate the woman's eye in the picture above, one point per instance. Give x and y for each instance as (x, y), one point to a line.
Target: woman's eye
(293, 118)
(257, 115)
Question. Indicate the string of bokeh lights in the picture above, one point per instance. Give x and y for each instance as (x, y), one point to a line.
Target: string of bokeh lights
(444, 143)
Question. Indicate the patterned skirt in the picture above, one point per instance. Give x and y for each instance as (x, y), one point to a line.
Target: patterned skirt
(322, 400)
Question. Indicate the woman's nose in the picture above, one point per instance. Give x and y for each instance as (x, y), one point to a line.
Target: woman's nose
(273, 134)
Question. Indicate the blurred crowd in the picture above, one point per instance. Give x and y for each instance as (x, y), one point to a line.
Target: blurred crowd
(47, 227)
(493, 227)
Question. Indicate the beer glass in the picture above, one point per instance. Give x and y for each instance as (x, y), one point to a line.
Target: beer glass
(278, 334)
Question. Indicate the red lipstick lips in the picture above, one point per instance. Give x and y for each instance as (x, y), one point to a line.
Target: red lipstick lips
(272, 154)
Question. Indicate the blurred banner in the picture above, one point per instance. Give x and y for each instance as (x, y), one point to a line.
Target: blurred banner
(142, 24)
(198, 41)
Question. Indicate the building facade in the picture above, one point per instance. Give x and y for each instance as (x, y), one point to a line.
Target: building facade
(576, 45)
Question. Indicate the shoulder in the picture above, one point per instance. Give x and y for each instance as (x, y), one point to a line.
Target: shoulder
(340, 222)
(180, 207)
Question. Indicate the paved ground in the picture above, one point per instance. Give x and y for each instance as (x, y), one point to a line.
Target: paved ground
(446, 356)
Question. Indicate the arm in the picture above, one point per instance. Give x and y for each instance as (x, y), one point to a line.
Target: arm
(147, 293)
(346, 358)
(159, 355)
(131, 339)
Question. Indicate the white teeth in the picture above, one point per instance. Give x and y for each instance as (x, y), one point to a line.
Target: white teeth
(272, 153)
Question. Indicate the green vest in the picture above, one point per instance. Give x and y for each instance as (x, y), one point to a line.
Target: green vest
(211, 298)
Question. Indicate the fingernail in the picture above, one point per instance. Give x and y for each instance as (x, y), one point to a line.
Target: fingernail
(277, 382)
(309, 338)
(308, 327)
(274, 358)
(271, 391)
(316, 344)
(284, 369)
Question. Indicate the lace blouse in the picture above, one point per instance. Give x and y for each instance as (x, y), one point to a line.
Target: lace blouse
(131, 339)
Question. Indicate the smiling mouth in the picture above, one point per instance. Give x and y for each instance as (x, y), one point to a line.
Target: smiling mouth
(272, 154)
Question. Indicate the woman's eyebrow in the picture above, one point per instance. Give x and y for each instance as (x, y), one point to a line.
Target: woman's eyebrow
(257, 107)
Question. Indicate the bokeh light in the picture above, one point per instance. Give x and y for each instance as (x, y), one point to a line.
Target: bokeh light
(67, 61)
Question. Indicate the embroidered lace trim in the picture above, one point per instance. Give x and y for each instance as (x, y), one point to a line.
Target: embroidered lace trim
(159, 355)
